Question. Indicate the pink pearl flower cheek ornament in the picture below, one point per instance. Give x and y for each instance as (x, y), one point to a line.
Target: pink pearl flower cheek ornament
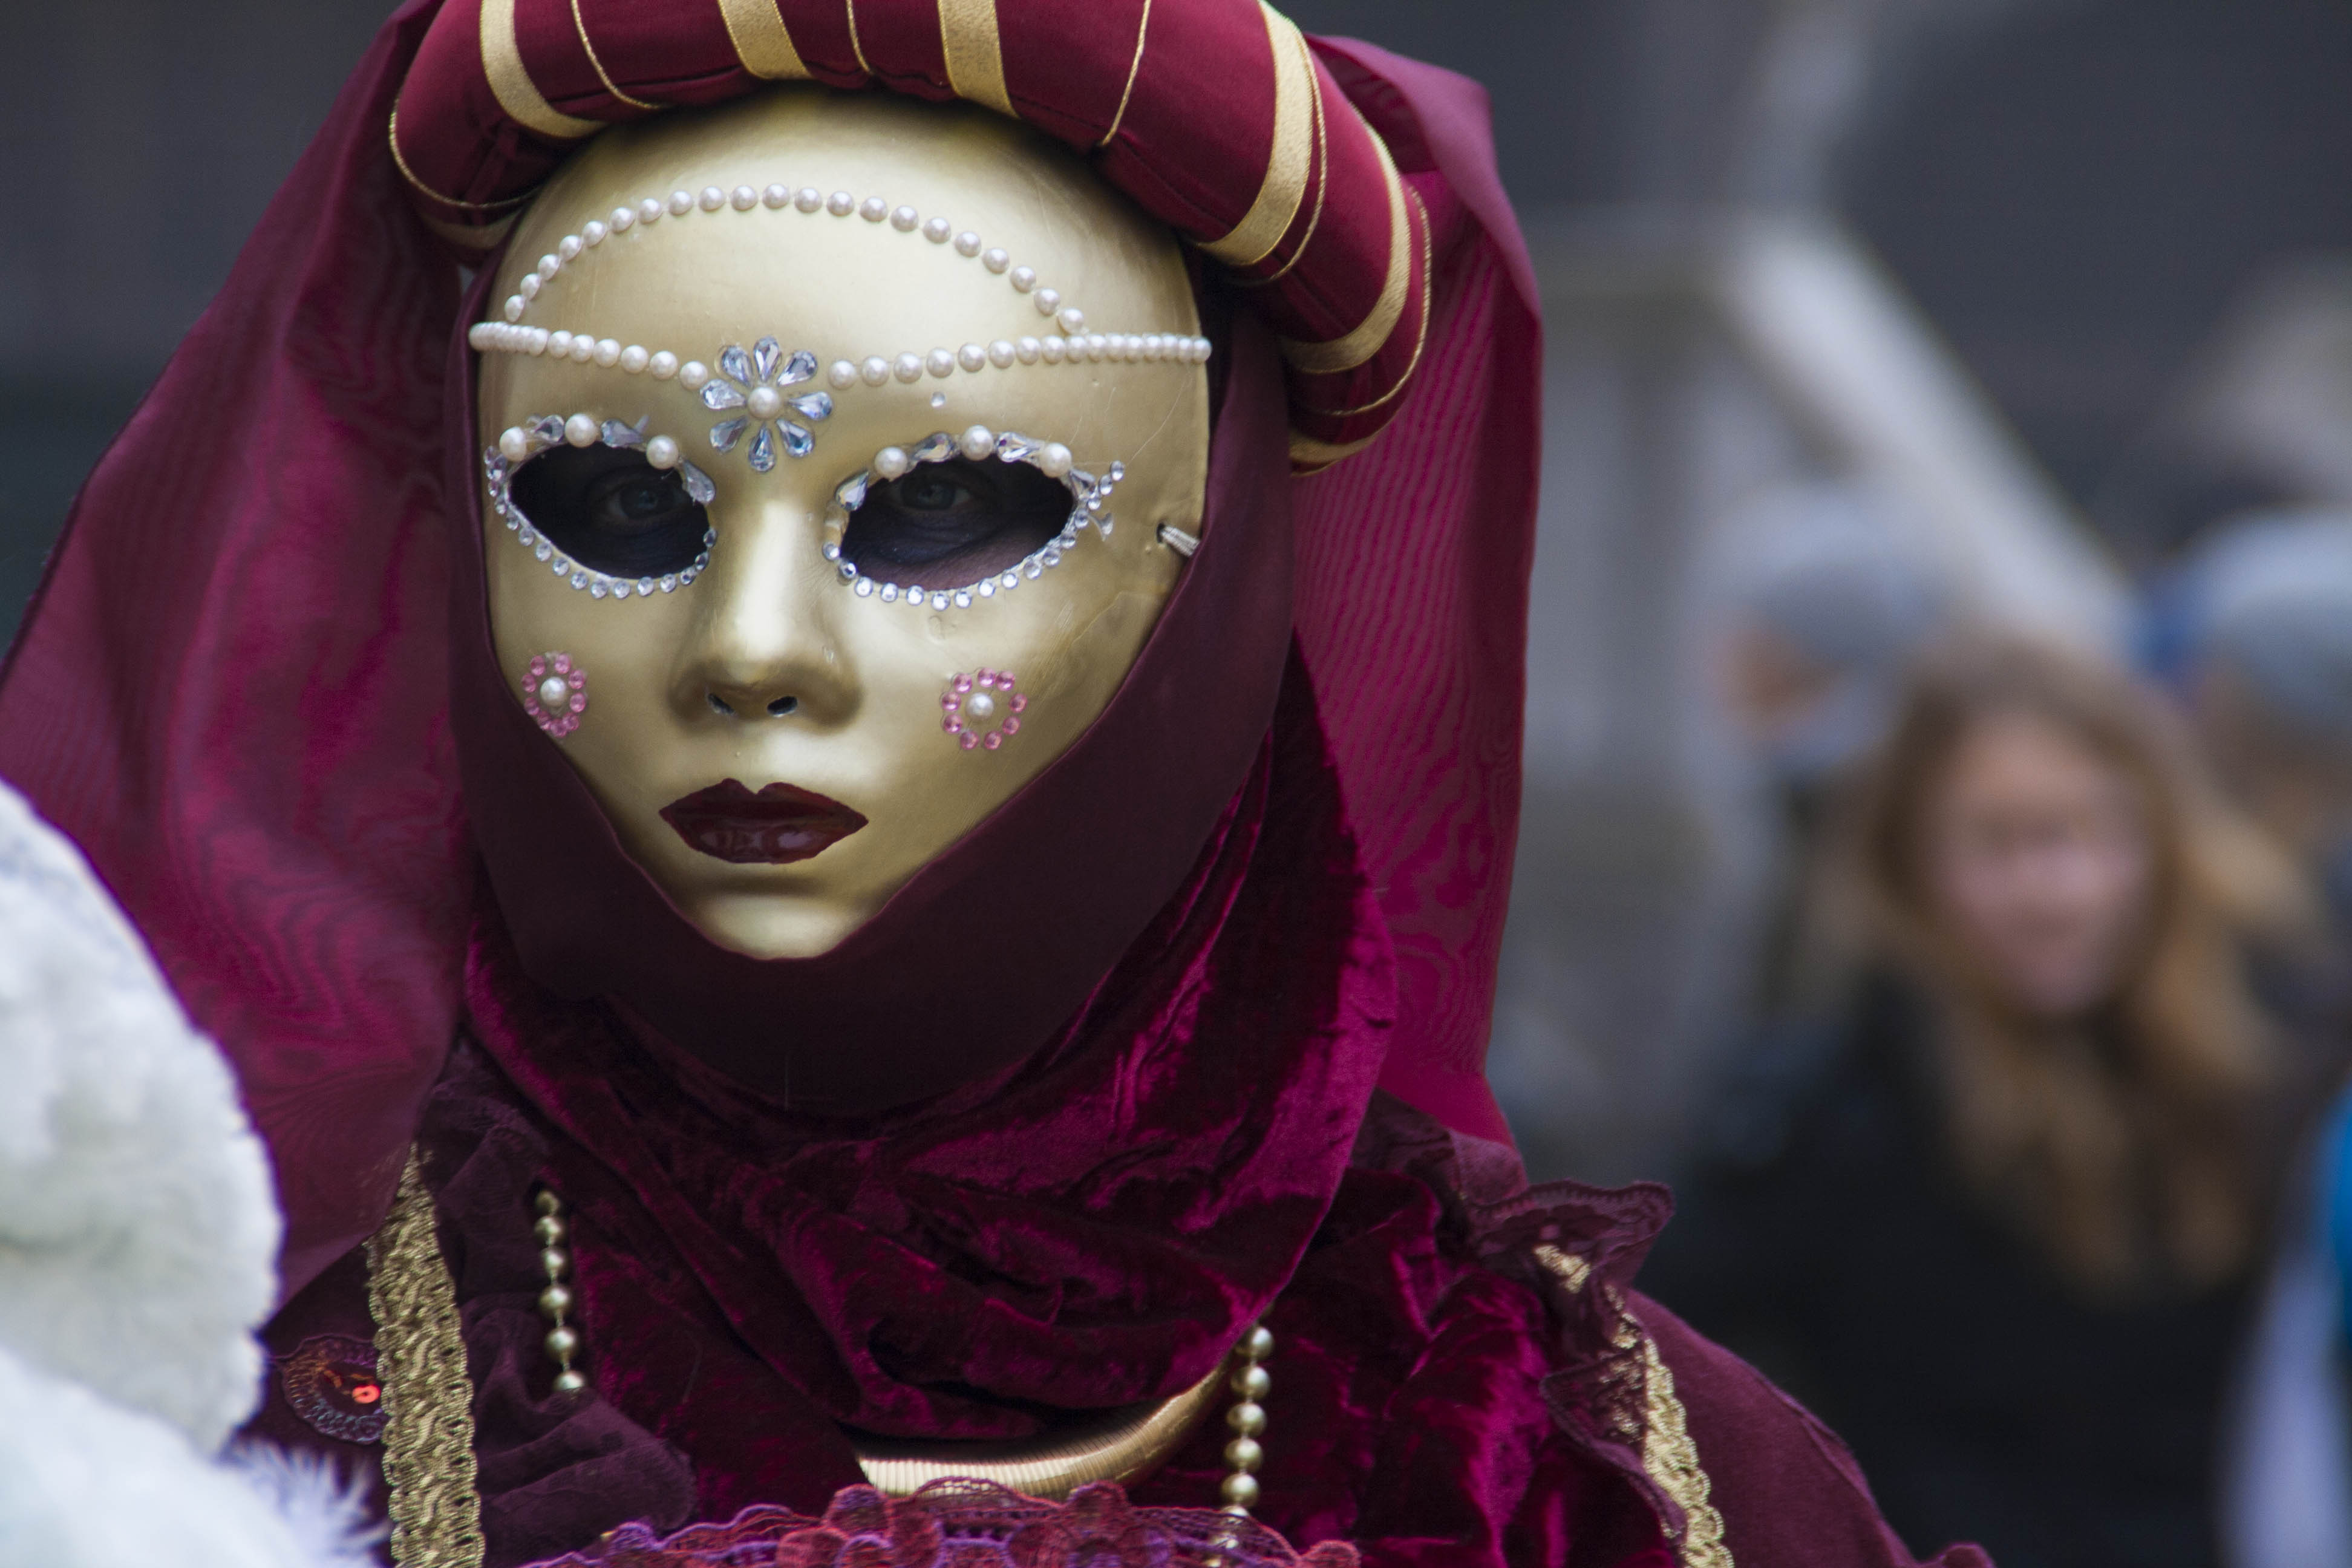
(981, 711)
(555, 693)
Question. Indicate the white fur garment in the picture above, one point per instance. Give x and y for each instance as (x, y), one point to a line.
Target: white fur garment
(138, 1233)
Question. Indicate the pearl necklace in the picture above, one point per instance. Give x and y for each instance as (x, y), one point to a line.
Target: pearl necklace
(1126, 1450)
(555, 1302)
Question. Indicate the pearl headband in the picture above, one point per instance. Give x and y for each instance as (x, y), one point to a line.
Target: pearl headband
(755, 382)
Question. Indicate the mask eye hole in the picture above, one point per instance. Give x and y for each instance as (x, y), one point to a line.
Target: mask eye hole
(954, 521)
(611, 511)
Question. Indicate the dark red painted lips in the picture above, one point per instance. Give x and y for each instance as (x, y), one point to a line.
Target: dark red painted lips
(774, 827)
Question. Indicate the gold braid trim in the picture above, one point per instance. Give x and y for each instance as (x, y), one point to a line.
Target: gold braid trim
(1672, 1459)
(1669, 1456)
(428, 1433)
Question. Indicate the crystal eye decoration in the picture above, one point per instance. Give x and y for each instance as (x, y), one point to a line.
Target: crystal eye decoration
(1089, 497)
(755, 383)
(982, 708)
(520, 443)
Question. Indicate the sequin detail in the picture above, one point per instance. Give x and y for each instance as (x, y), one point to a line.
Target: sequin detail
(330, 1380)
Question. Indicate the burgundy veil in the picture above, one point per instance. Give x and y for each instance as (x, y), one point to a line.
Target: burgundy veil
(236, 687)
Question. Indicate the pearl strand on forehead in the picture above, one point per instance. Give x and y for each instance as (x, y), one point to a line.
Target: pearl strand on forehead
(808, 199)
(1071, 344)
(875, 370)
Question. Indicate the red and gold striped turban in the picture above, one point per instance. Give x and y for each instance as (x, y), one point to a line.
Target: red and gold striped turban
(1215, 115)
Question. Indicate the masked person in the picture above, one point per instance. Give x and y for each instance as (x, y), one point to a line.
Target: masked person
(824, 866)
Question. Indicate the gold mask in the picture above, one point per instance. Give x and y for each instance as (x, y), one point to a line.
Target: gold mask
(781, 732)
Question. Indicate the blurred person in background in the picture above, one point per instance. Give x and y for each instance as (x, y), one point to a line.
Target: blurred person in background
(1826, 596)
(2258, 622)
(2001, 1239)
(2260, 628)
(2287, 1462)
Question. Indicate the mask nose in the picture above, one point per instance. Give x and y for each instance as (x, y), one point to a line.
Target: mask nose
(782, 707)
(762, 647)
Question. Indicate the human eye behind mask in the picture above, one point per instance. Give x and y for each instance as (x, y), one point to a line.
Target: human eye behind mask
(954, 520)
(611, 510)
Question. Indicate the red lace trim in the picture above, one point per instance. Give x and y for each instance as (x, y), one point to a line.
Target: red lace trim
(964, 1524)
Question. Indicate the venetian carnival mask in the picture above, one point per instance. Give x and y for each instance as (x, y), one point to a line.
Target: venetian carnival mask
(840, 453)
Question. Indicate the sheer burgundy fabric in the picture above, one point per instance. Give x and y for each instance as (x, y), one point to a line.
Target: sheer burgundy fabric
(232, 689)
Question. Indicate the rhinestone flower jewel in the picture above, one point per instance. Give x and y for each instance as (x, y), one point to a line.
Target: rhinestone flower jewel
(754, 382)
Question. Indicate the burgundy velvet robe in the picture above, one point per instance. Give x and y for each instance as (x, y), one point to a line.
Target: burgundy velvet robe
(1201, 1149)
